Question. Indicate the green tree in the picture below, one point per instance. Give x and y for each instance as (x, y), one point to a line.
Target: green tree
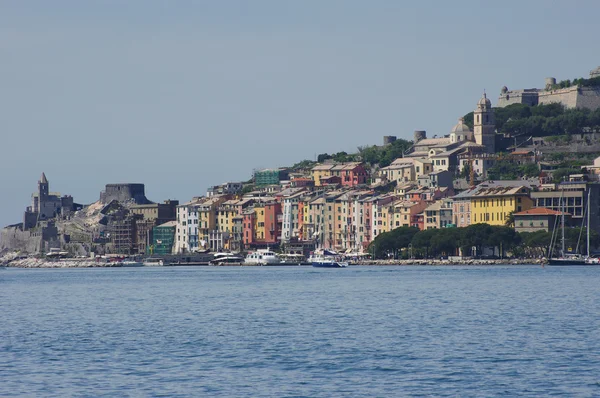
(323, 157)
(388, 243)
(445, 241)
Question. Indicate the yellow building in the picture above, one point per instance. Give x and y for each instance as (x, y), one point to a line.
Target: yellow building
(321, 171)
(404, 210)
(493, 205)
(259, 230)
(207, 217)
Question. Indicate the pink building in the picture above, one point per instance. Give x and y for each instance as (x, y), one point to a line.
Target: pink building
(352, 174)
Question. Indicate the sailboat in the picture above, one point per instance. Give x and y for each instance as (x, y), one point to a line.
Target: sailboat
(573, 258)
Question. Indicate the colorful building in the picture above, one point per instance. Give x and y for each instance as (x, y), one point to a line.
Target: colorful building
(539, 219)
(493, 205)
(270, 176)
(163, 237)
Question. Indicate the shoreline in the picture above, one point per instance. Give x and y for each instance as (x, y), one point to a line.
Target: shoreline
(87, 263)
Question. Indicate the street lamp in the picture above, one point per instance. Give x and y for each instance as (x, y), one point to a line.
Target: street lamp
(410, 250)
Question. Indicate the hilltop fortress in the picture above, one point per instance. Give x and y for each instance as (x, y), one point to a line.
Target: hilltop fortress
(571, 97)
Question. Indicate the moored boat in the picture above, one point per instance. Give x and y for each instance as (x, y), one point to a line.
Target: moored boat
(226, 258)
(566, 258)
(327, 259)
(131, 263)
(153, 262)
(262, 257)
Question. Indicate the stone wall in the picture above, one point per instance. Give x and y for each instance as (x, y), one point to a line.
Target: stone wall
(124, 193)
(14, 238)
(566, 96)
(570, 97)
(589, 97)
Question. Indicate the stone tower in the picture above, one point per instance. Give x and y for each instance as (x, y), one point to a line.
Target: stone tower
(42, 190)
(484, 126)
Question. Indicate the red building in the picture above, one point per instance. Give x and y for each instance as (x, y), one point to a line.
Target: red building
(418, 220)
(273, 220)
(248, 228)
(352, 174)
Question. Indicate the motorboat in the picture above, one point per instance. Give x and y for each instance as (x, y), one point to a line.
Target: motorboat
(153, 262)
(131, 263)
(262, 257)
(293, 259)
(327, 259)
(226, 258)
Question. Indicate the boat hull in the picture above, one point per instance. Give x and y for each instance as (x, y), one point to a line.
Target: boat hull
(568, 261)
(333, 264)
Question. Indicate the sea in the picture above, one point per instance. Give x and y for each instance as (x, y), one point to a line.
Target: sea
(297, 331)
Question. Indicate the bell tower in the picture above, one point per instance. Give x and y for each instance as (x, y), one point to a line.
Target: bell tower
(484, 128)
(42, 196)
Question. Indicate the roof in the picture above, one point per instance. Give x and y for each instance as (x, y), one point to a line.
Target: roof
(168, 224)
(461, 127)
(323, 167)
(521, 152)
(540, 211)
(447, 153)
(418, 154)
(433, 141)
(43, 179)
(485, 101)
(499, 191)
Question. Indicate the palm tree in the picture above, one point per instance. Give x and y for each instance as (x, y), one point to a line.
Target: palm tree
(510, 219)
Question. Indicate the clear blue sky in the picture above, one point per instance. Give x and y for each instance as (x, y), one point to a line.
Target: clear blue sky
(181, 95)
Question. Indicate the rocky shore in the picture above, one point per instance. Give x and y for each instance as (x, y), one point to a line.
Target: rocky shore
(514, 261)
(32, 262)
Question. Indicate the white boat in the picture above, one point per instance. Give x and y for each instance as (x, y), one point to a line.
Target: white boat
(153, 262)
(262, 257)
(226, 258)
(327, 259)
(131, 263)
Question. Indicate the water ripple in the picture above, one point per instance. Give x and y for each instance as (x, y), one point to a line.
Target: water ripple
(300, 332)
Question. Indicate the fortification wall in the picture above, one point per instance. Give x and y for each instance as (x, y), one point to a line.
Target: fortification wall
(124, 193)
(589, 97)
(13, 238)
(529, 97)
(566, 96)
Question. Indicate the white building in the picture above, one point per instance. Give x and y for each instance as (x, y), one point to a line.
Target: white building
(186, 232)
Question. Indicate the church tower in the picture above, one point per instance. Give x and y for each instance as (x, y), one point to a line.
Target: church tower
(484, 125)
(42, 193)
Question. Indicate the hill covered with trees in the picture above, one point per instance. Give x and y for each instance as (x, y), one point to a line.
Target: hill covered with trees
(542, 120)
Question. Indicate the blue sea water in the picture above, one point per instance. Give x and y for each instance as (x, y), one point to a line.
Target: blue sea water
(300, 332)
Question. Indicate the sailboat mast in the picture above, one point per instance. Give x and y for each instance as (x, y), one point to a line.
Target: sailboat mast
(562, 200)
(587, 227)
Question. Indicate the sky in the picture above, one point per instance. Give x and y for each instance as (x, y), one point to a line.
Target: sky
(182, 95)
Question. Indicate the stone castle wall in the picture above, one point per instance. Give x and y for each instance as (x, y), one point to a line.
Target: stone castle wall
(570, 97)
(13, 238)
(589, 97)
(566, 96)
(124, 193)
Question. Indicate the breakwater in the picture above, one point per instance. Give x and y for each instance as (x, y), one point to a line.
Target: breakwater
(32, 262)
(513, 261)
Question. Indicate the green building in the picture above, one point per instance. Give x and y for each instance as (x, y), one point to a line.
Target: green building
(270, 176)
(163, 237)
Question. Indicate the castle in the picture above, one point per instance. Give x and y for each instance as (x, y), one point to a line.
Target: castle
(46, 205)
(571, 97)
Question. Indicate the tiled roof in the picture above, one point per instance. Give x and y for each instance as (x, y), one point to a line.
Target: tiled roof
(540, 211)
